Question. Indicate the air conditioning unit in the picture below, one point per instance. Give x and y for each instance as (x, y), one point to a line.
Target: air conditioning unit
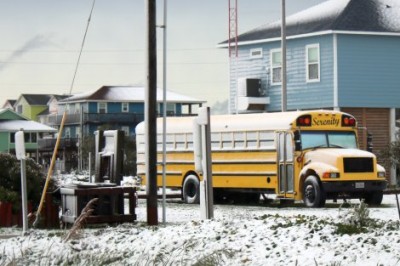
(250, 96)
(249, 87)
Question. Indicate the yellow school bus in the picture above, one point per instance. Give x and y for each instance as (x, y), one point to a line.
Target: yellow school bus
(303, 155)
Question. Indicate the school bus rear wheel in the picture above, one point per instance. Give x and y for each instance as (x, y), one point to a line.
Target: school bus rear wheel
(191, 190)
(313, 195)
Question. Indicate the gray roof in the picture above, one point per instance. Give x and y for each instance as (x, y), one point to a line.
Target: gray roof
(9, 101)
(37, 99)
(375, 16)
(126, 94)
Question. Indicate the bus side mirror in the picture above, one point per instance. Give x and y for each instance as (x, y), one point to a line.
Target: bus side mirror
(297, 141)
(369, 142)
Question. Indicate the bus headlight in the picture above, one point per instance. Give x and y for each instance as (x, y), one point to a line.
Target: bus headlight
(381, 174)
(331, 175)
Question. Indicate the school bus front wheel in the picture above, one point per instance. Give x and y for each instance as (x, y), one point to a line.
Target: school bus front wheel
(313, 194)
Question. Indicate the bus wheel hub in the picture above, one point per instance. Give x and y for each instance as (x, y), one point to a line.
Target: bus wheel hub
(310, 193)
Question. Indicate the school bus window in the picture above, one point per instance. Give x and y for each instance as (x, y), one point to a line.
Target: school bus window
(239, 140)
(180, 137)
(331, 139)
(189, 139)
(289, 172)
(227, 136)
(180, 141)
(159, 138)
(342, 140)
(266, 139)
(251, 139)
(226, 140)
(215, 140)
(170, 141)
(180, 145)
(313, 139)
(289, 148)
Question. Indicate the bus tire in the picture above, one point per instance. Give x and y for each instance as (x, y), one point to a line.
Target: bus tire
(191, 190)
(313, 194)
(374, 198)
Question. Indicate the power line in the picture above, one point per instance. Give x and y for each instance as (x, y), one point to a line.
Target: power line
(106, 63)
(83, 43)
(110, 50)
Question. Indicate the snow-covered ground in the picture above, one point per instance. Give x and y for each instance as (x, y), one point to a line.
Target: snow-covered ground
(238, 235)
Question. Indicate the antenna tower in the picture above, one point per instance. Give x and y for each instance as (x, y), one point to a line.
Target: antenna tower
(233, 28)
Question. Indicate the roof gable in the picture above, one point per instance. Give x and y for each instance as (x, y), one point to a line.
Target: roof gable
(7, 114)
(9, 103)
(334, 15)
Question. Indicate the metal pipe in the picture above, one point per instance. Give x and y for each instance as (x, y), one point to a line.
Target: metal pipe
(283, 53)
(164, 157)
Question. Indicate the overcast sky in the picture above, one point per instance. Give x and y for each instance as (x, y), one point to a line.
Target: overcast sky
(41, 40)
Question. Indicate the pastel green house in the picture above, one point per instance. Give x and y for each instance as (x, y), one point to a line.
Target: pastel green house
(31, 105)
(11, 122)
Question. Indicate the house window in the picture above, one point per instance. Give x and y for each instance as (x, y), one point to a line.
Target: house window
(77, 132)
(102, 108)
(19, 109)
(276, 66)
(125, 107)
(70, 108)
(312, 53)
(125, 129)
(12, 137)
(34, 137)
(77, 108)
(30, 137)
(170, 109)
(256, 53)
(67, 133)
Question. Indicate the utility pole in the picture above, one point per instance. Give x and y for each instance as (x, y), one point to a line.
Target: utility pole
(150, 113)
(283, 53)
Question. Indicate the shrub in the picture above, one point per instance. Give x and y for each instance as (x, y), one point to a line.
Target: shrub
(10, 179)
(355, 220)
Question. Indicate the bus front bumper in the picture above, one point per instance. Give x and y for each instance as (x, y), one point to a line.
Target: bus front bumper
(354, 186)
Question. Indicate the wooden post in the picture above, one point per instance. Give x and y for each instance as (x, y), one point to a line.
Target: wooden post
(151, 114)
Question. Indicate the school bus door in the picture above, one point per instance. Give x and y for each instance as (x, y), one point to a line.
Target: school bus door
(285, 164)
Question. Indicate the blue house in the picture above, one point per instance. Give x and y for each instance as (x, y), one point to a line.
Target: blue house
(341, 54)
(109, 107)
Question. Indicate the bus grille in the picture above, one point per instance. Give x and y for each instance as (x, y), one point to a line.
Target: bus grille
(358, 165)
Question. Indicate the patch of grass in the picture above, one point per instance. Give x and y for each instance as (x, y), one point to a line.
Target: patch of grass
(349, 229)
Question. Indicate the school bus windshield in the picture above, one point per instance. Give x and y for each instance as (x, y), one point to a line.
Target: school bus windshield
(328, 139)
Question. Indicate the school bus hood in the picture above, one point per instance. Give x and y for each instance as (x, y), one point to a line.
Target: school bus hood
(331, 155)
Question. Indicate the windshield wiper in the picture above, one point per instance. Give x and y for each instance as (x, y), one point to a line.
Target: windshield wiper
(335, 146)
(318, 146)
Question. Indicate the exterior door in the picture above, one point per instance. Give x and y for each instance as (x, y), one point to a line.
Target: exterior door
(285, 161)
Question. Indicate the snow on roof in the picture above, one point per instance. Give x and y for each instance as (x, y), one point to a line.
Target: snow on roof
(221, 123)
(127, 94)
(334, 15)
(26, 125)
